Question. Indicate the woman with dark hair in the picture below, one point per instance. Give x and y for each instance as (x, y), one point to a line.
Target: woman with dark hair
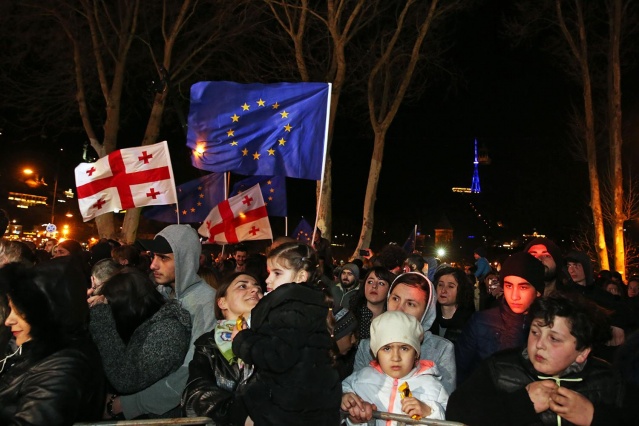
(141, 337)
(370, 299)
(51, 374)
(68, 248)
(216, 375)
(455, 302)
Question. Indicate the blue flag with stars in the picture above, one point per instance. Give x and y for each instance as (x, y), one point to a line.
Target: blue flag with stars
(259, 129)
(409, 245)
(303, 232)
(273, 191)
(196, 199)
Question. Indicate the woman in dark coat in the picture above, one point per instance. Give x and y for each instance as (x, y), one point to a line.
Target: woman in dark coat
(454, 302)
(51, 374)
(216, 376)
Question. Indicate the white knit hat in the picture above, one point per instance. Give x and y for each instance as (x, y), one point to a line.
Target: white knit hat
(396, 327)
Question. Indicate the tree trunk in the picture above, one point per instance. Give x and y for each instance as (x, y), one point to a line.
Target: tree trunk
(371, 192)
(615, 138)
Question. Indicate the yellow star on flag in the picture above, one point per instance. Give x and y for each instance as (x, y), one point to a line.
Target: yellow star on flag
(284, 114)
(260, 102)
(234, 143)
(256, 156)
(271, 151)
(282, 142)
(288, 127)
(276, 105)
(199, 204)
(268, 182)
(245, 107)
(201, 195)
(192, 209)
(230, 133)
(272, 190)
(184, 212)
(270, 198)
(235, 118)
(244, 152)
(199, 188)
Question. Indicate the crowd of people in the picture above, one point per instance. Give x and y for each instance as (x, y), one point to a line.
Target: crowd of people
(163, 328)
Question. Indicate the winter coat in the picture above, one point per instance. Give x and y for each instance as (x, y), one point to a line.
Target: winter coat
(156, 348)
(214, 385)
(374, 386)
(452, 326)
(195, 296)
(56, 377)
(288, 344)
(437, 349)
(496, 393)
(487, 332)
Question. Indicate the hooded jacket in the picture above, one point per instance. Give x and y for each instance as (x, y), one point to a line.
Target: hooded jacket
(197, 297)
(434, 348)
(374, 386)
(156, 348)
(56, 377)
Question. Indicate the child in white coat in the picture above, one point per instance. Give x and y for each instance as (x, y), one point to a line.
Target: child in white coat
(395, 340)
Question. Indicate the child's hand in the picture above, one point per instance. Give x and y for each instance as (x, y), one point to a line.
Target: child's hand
(359, 411)
(414, 407)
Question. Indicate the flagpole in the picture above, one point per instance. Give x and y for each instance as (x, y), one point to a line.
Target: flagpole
(319, 198)
(286, 226)
(415, 238)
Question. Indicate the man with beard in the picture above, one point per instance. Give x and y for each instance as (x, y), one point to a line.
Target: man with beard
(550, 256)
(348, 283)
(240, 254)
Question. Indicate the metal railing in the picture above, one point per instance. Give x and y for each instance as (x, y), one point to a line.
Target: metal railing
(153, 422)
(403, 419)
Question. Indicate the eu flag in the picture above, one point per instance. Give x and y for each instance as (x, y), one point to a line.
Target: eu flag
(409, 245)
(303, 232)
(273, 191)
(196, 198)
(259, 129)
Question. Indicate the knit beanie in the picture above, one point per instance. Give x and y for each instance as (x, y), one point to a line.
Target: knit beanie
(345, 323)
(353, 268)
(526, 266)
(396, 327)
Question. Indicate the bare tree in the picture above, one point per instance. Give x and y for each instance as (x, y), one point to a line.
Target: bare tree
(335, 22)
(111, 44)
(400, 47)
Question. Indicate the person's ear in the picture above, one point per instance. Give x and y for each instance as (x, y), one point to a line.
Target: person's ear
(538, 294)
(221, 303)
(583, 355)
(301, 276)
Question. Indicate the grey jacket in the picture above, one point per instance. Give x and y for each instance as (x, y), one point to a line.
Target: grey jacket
(195, 296)
(156, 348)
(434, 348)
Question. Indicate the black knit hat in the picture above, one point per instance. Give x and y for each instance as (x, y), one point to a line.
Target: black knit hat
(552, 248)
(526, 266)
(345, 323)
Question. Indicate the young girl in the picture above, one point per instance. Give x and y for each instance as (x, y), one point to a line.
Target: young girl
(396, 340)
(289, 345)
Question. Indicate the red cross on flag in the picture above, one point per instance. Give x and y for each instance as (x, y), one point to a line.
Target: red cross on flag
(239, 218)
(127, 178)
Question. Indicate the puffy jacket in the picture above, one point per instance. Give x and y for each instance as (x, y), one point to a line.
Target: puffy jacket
(487, 332)
(496, 394)
(214, 385)
(289, 345)
(372, 385)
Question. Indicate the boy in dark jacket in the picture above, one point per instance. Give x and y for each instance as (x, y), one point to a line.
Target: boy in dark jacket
(552, 377)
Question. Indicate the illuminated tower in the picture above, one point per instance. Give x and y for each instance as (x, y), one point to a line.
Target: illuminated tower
(475, 188)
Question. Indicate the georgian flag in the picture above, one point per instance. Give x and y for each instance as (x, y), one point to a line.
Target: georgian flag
(126, 178)
(239, 218)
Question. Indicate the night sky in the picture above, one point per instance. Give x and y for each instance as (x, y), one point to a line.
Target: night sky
(514, 101)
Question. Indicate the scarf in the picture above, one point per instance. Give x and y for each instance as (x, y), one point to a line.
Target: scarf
(222, 332)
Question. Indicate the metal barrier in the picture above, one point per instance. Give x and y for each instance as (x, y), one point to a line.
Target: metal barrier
(154, 422)
(403, 419)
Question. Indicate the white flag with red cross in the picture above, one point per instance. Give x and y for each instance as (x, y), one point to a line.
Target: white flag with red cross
(127, 178)
(239, 218)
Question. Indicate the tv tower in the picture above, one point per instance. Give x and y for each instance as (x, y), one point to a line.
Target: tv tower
(475, 188)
